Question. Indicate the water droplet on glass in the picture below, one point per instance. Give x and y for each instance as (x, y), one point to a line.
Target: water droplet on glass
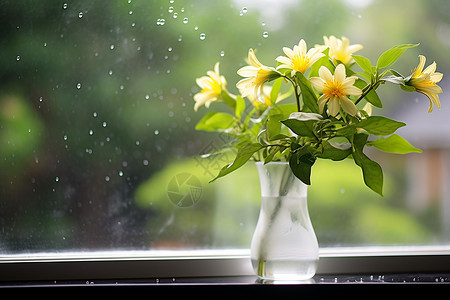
(130, 12)
(175, 15)
(171, 1)
(120, 173)
(110, 72)
(244, 10)
(196, 28)
(265, 34)
(94, 114)
(65, 6)
(185, 20)
(202, 36)
(18, 57)
(222, 53)
(145, 162)
(171, 9)
(78, 85)
(111, 47)
(147, 97)
(104, 124)
(170, 49)
(57, 179)
(107, 178)
(156, 132)
(65, 137)
(80, 14)
(91, 132)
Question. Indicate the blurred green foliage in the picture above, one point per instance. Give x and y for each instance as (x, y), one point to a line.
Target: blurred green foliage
(96, 117)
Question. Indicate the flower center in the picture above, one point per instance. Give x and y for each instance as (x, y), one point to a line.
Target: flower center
(334, 89)
(301, 63)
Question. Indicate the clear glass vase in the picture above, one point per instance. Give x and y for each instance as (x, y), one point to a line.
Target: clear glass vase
(284, 245)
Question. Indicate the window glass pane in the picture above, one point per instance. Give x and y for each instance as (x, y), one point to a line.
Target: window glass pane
(97, 124)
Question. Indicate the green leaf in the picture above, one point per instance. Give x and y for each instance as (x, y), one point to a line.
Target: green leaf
(378, 125)
(243, 155)
(308, 95)
(240, 107)
(372, 172)
(334, 153)
(408, 88)
(371, 96)
(301, 163)
(363, 62)
(390, 56)
(323, 61)
(394, 144)
(275, 90)
(276, 115)
(228, 99)
(301, 128)
(214, 121)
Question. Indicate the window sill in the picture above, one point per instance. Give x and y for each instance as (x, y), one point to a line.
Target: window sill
(117, 265)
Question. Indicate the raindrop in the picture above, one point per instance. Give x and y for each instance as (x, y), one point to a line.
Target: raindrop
(80, 14)
(65, 6)
(147, 97)
(78, 85)
(265, 34)
(130, 12)
(196, 28)
(244, 10)
(94, 114)
(65, 137)
(202, 36)
(111, 47)
(91, 132)
(171, 1)
(145, 162)
(171, 9)
(18, 57)
(120, 173)
(222, 53)
(110, 72)
(185, 20)
(156, 132)
(57, 179)
(104, 124)
(175, 15)
(107, 178)
(170, 49)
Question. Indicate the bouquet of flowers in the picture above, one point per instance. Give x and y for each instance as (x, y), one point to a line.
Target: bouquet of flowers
(331, 117)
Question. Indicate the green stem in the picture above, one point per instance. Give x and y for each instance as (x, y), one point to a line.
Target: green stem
(370, 87)
(297, 95)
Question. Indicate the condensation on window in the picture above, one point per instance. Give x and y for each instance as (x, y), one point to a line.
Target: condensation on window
(97, 128)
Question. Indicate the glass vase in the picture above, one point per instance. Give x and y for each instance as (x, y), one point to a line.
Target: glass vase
(284, 245)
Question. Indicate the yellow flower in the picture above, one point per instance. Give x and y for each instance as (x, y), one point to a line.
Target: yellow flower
(264, 99)
(335, 90)
(425, 82)
(299, 59)
(257, 74)
(340, 49)
(212, 86)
